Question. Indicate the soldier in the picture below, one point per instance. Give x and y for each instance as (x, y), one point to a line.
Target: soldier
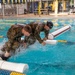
(31, 33)
(14, 35)
(36, 29)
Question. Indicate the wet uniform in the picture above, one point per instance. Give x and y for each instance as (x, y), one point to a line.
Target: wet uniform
(14, 35)
(36, 29)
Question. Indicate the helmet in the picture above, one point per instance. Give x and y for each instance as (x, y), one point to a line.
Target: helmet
(50, 24)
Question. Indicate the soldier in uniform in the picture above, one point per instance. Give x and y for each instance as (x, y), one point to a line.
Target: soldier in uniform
(14, 35)
(36, 28)
(31, 33)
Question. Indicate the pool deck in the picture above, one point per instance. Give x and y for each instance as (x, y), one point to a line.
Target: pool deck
(32, 16)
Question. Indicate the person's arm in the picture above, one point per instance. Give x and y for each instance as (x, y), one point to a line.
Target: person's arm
(11, 34)
(46, 34)
(14, 33)
(37, 34)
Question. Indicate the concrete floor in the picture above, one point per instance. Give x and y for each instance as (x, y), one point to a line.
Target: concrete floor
(32, 16)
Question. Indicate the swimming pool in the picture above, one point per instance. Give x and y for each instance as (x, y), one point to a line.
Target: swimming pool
(56, 59)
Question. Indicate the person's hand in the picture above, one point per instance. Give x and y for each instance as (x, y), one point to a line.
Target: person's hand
(43, 43)
(45, 39)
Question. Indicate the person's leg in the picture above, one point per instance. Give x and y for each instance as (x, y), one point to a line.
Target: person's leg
(15, 46)
(7, 46)
(5, 51)
(5, 56)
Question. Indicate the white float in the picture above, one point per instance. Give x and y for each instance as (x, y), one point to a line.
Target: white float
(51, 41)
(17, 67)
(56, 33)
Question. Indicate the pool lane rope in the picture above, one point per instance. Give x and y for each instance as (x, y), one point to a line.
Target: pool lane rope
(56, 33)
(60, 41)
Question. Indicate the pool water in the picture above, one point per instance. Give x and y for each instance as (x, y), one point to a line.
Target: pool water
(58, 59)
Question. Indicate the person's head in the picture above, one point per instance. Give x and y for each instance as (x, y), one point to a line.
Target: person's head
(26, 30)
(48, 25)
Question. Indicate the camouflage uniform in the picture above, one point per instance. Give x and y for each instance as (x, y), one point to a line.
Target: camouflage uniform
(14, 35)
(36, 29)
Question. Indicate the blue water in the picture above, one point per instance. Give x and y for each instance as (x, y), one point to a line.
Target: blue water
(56, 59)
